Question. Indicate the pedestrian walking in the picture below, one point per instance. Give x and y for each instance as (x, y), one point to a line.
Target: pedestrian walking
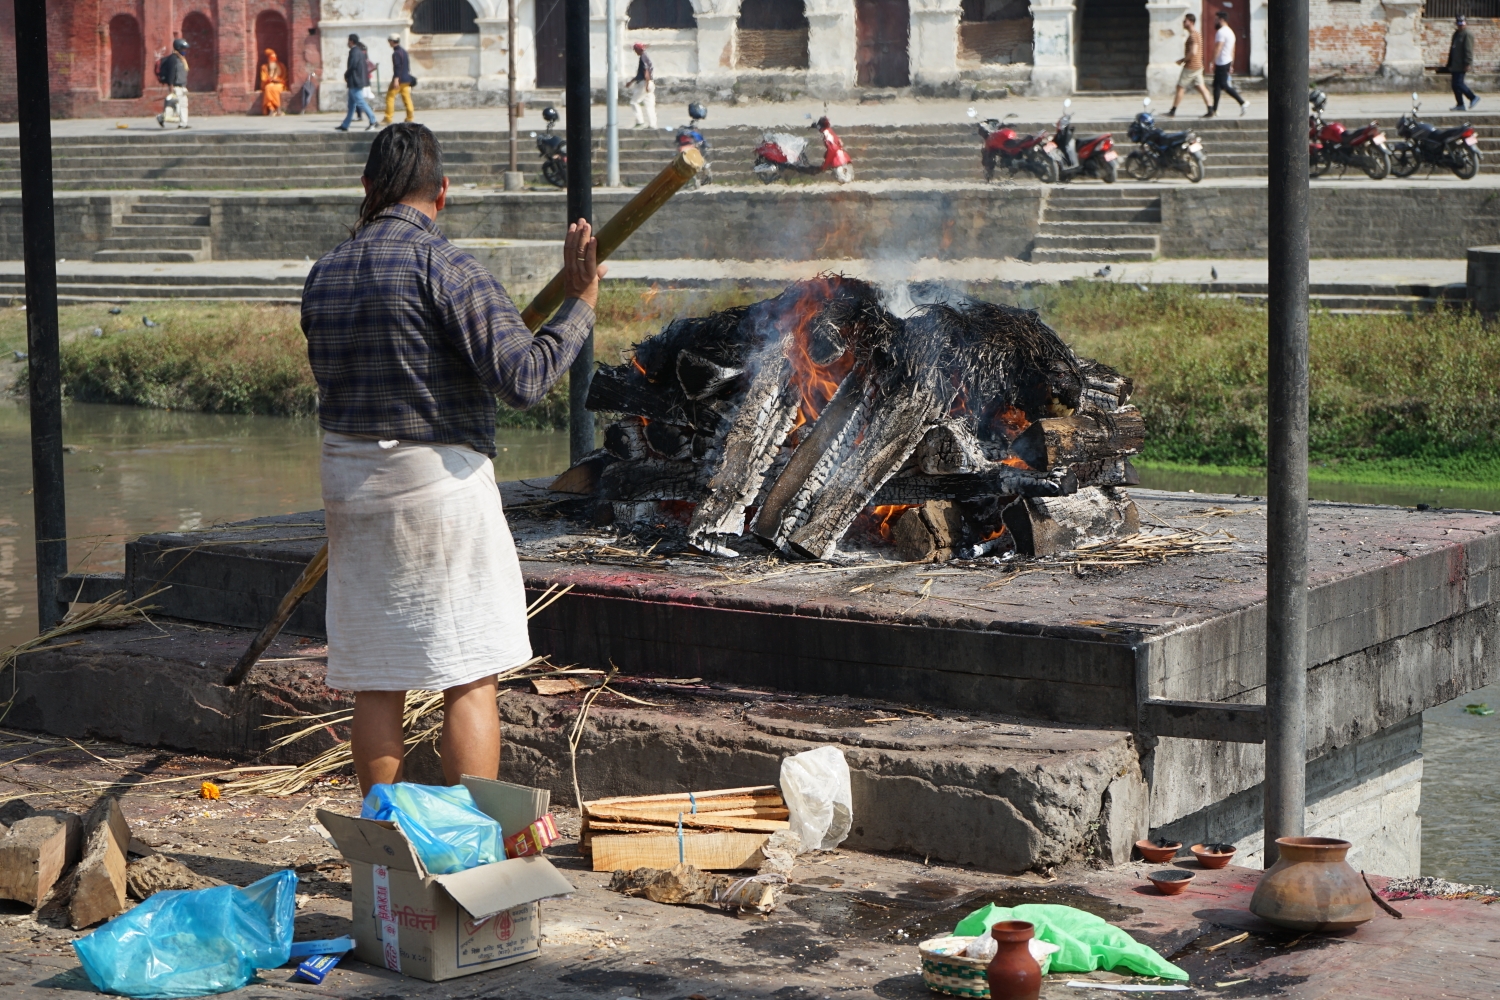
(1460, 59)
(643, 90)
(272, 83)
(173, 71)
(1191, 62)
(1223, 63)
(411, 340)
(401, 81)
(357, 80)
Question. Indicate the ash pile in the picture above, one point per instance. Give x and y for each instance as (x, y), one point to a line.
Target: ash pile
(836, 413)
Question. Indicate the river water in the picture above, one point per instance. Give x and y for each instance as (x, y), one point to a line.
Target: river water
(130, 471)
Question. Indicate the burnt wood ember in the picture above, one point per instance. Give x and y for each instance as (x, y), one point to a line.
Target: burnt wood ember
(928, 532)
(833, 397)
(1044, 526)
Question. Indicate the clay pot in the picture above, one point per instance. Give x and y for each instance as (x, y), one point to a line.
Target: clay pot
(1213, 855)
(1013, 974)
(1312, 888)
(1155, 853)
(1170, 882)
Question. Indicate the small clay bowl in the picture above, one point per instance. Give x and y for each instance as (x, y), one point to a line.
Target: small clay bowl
(1213, 855)
(1157, 853)
(1170, 881)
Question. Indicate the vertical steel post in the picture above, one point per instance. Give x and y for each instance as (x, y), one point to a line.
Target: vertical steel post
(612, 94)
(1286, 465)
(40, 251)
(580, 204)
(510, 45)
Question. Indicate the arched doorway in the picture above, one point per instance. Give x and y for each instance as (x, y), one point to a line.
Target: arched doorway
(882, 27)
(1113, 45)
(771, 34)
(271, 33)
(127, 58)
(202, 57)
(551, 62)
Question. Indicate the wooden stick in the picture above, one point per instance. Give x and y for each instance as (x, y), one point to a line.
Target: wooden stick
(705, 800)
(614, 232)
(1387, 907)
(311, 574)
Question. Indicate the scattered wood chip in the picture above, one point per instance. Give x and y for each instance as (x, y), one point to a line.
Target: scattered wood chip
(145, 877)
(1228, 941)
(555, 685)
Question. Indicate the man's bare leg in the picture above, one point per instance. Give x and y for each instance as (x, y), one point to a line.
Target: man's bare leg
(471, 731)
(1208, 101)
(376, 738)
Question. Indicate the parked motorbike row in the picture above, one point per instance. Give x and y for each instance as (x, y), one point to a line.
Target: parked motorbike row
(1059, 158)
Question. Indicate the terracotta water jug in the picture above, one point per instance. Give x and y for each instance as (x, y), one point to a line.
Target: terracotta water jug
(1013, 974)
(1312, 888)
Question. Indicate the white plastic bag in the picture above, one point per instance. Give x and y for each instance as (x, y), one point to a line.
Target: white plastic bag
(815, 784)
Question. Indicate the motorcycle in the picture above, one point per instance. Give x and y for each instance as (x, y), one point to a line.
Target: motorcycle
(1005, 147)
(1158, 151)
(553, 150)
(1455, 148)
(1093, 154)
(688, 135)
(1329, 143)
(782, 152)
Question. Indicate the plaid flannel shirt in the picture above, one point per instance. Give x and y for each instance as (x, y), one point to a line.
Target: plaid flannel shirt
(411, 338)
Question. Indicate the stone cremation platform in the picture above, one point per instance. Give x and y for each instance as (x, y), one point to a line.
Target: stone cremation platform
(1008, 713)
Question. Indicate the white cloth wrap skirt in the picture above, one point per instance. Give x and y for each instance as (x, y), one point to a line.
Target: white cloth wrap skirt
(424, 587)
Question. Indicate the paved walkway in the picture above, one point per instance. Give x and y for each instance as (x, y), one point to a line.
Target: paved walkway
(915, 111)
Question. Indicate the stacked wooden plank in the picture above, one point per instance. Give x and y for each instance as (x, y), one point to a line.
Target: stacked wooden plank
(719, 829)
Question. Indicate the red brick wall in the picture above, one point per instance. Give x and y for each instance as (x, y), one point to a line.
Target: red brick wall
(1437, 34)
(1346, 35)
(78, 36)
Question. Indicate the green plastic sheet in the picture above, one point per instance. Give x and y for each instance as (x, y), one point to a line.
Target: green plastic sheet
(1085, 942)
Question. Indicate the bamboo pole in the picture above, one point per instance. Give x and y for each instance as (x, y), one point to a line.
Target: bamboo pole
(627, 220)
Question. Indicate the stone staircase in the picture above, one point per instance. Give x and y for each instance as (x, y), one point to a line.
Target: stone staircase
(1099, 222)
(1110, 55)
(159, 229)
(147, 286)
(1348, 298)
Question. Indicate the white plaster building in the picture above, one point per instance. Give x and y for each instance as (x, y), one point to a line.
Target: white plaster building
(833, 48)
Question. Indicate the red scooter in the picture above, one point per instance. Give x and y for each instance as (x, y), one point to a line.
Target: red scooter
(1329, 143)
(782, 152)
(1005, 147)
(1092, 154)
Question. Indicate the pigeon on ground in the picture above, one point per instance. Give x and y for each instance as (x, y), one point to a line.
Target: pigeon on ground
(1142, 287)
(1215, 272)
(1103, 272)
(98, 331)
(20, 355)
(148, 321)
(115, 310)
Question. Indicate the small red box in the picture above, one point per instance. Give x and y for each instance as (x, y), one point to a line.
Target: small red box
(533, 839)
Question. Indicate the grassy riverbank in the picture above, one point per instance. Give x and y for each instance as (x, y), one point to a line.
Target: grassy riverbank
(1394, 400)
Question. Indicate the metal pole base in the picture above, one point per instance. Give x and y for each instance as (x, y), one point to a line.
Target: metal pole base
(515, 180)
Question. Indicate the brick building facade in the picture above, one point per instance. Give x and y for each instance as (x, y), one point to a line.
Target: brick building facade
(104, 53)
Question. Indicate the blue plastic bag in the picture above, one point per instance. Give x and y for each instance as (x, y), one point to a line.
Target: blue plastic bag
(442, 823)
(189, 943)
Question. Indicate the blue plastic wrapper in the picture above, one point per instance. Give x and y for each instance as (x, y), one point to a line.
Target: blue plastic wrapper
(191, 943)
(447, 829)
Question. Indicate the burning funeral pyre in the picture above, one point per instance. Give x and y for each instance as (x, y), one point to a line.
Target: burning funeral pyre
(957, 424)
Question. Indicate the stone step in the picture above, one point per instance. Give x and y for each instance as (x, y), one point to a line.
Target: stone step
(133, 241)
(150, 256)
(1053, 227)
(1065, 255)
(1049, 239)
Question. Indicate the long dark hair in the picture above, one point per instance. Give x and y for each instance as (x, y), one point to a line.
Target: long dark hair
(405, 159)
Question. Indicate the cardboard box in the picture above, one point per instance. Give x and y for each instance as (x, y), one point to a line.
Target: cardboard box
(437, 927)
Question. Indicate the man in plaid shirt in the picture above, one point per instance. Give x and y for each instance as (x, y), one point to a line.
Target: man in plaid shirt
(411, 340)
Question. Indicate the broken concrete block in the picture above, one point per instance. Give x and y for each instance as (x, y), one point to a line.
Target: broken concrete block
(144, 877)
(34, 853)
(99, 887)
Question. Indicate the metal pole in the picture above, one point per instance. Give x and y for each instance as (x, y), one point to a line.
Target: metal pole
(612, 94)
(1286, 467)
(510, 45)
(580, 205)
(40, 251)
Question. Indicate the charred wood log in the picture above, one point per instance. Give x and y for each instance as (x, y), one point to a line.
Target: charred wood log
(583, 477)
(701, 378)
(651, 479)
(1004, 481)
(626, 439)
(952, 448)
(810, 451)
(1044, 526)
(929, 533)
(668, 440)
(623, 389)
(1054, 442)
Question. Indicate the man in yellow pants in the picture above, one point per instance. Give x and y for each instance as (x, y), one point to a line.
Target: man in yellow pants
(401, 81)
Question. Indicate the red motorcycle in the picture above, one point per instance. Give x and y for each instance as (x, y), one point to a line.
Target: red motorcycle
(1091, 154)
(782, 152)
(1005, 147)
(1329, 143)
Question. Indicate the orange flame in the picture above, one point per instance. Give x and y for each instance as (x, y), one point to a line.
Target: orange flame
(815, 383)
(1011, 420)
(886, 515)
(994, 534)
(1015, 462)
(639, 367)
